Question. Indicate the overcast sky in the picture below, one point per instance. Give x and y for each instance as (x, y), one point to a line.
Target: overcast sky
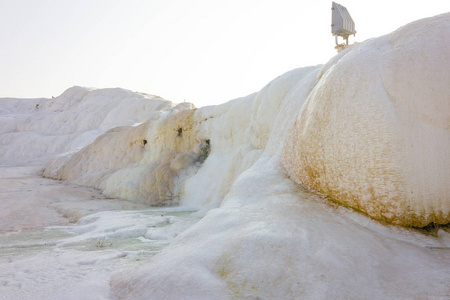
(202, 51)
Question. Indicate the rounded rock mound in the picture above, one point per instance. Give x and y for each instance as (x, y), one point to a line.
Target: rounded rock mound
(374, 133)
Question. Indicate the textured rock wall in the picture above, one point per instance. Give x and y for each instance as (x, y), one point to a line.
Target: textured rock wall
(375, 131)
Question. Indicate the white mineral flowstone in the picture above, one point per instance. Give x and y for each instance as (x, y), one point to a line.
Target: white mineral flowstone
(51, 127)
(139, 163)
(252, 177)
(374, 133)
(271, 239)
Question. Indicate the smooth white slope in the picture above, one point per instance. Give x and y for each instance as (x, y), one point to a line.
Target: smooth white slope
(271, 239)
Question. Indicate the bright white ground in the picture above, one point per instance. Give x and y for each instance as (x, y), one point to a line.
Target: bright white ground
(45, 255)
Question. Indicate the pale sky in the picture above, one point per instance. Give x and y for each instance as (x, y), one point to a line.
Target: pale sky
(201, 51)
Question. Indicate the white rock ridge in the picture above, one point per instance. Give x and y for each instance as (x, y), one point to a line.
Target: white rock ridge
(344, 129)
(33, 131)
(375, 131)
(138, 163)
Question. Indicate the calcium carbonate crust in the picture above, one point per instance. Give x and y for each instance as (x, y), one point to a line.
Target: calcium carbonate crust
(374, 133)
